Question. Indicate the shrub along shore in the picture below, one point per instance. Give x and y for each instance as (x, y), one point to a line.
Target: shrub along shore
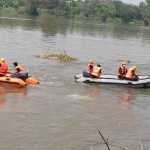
(113, 11)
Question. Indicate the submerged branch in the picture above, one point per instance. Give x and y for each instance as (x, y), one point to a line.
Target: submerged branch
(104, 140)
(141, 145)
(124, 148)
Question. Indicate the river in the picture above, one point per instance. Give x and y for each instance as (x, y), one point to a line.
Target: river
(59, 114)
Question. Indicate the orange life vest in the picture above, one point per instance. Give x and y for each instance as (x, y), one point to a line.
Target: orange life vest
(21, 69)
(89, 68)
(123, 71)
(3, 68)
(129, 74)
(96, 71)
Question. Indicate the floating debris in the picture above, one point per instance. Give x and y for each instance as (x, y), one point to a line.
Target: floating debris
(9, 68)
(63, 57)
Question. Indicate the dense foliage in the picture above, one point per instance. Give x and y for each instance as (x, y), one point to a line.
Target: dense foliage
(104, 10)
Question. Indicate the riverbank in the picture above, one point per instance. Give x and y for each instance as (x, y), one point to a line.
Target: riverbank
(115, 12)
(41, 12)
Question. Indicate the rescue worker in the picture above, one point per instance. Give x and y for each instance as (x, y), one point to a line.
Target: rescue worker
(18, 69)
(130, 75)
(90, 66)
(20, 74)
(16, 65)
(3, 67)
(122, 71)
(96, 73)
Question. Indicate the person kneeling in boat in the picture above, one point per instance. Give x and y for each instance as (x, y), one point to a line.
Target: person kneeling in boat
(20, 74)
(131, 74)
(122, 71)
(90, 66)
(96, 73)
(3, 67)
(16, 65)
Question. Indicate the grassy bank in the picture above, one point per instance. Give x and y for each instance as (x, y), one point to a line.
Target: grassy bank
(9, 10)
(21, 11)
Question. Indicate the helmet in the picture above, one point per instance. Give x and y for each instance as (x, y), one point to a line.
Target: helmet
(134, 67)
(90, 61)
(123, 63)
(2, 60)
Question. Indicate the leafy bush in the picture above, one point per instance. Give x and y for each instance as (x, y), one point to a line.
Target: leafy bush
(32, 8)
(104, 17)
(146, 22)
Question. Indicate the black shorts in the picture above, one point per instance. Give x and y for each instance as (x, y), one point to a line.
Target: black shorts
(121, 77)
(92, 76)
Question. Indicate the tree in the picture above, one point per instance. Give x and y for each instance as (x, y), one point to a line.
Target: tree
(141, 4)
(148, 2)
(32, 7)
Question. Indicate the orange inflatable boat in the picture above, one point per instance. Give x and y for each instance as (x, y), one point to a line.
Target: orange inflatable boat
(15, 82)
(29, 80)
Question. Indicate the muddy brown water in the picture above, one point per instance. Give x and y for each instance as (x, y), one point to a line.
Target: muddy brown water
(59, 114)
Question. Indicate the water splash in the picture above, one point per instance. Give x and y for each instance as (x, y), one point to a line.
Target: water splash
(82, 97)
